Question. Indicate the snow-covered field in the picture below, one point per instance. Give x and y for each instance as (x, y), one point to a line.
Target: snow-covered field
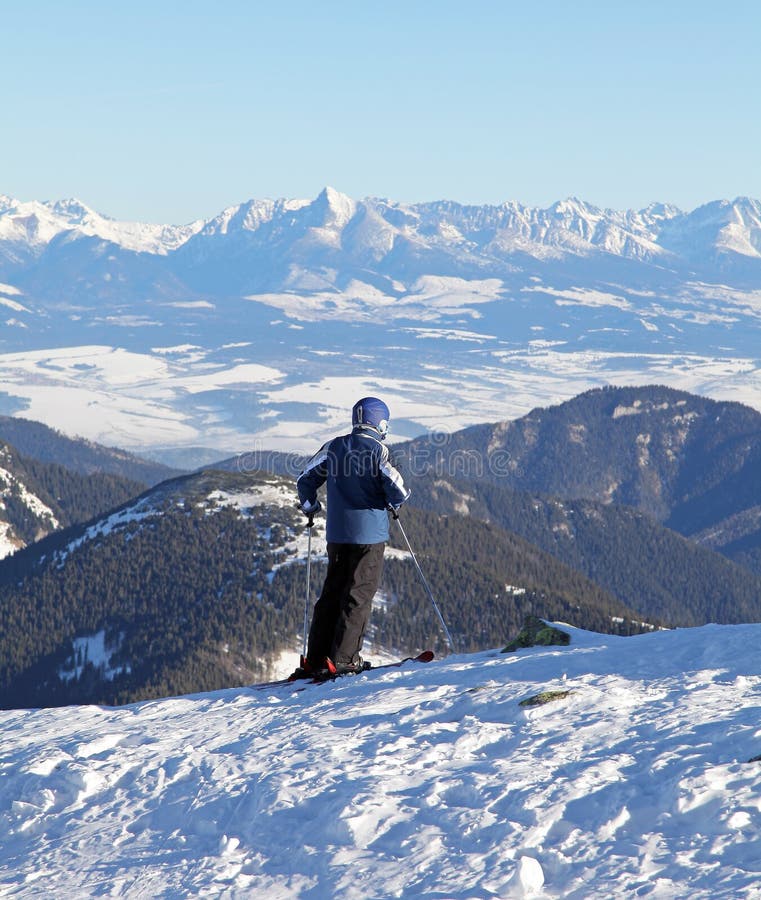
(424, 781)
(187, 396)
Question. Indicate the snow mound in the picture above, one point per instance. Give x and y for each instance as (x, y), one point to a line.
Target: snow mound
(411, 782)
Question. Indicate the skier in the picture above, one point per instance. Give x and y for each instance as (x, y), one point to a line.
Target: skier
(361, 483)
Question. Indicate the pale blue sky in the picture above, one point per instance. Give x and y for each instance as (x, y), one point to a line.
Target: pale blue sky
(170, 111)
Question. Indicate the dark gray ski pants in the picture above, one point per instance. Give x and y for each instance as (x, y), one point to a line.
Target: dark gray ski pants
(343, 610)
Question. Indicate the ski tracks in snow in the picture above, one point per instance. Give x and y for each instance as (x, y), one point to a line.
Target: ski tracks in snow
(412, 782)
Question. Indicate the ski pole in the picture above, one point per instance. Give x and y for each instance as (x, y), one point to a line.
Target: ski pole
(395, 514)
(310, 523)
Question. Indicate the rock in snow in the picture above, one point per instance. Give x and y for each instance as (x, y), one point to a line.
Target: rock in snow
(424, 781)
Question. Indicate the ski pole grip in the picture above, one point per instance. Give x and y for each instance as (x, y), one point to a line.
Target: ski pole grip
(394, 512)
(310, 516)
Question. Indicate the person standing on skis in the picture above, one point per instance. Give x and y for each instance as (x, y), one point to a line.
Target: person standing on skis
(361, 484)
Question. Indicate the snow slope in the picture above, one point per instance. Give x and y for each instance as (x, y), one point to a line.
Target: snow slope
(28, 505)
(425, 781)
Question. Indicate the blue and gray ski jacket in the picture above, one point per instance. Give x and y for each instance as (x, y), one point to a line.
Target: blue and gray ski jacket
(361, 481)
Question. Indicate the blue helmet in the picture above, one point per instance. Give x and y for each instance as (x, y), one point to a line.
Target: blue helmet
(372, 412)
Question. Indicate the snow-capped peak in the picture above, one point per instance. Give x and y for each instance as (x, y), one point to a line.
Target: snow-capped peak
(574, 207)
(339, 208)
(74, 211)
(250, 215)
(36, 223)
(724, 226)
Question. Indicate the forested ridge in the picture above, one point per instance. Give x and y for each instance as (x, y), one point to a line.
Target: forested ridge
(67, 496)
(33, 440)
(486, 580)
(648, 567)
(688, 462)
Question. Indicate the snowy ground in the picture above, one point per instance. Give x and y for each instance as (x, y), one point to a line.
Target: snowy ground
(434, 380)
(425, 781)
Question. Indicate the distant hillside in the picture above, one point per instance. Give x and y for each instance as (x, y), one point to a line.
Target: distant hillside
(289, 465)
(199, 584)
(645, 565)
(691, 463)
(37, 498)
(35, 440)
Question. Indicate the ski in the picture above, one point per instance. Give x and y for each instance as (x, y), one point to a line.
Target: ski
(298, 683)
(425, 657)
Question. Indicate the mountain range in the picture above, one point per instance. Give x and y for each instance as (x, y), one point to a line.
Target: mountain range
(375, 233)
(229, 331)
